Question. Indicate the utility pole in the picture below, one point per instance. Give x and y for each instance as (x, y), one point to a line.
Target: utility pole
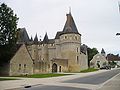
(119, 12)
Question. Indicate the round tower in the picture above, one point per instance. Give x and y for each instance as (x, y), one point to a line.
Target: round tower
(70, 44)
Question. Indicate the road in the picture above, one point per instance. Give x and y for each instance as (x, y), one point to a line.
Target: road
(84, 83)
(95, 79)
(54, 88)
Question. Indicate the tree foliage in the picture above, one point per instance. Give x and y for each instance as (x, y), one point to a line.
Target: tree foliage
(8, 25)
(8, 32)
(91, 53)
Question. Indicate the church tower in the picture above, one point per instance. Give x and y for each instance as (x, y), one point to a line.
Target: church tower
(103, 52)
(70, 44)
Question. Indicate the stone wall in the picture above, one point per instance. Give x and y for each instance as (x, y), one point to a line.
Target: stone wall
(21, 63)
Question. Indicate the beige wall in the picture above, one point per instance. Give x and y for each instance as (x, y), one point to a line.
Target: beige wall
(83, 61)
(67, 47)
(98, 58)
(21, 63)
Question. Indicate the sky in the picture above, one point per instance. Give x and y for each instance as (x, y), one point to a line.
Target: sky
(97, 20)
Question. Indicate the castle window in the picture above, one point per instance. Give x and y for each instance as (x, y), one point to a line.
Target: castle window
(76, 37)
(24, 68)
(77, 50)
(77, 59)
(24, 65)
(19, 66)
(65, 37)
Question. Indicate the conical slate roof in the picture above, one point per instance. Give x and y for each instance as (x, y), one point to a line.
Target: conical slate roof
(36, 39)
(31, 39)
(70, 26)
(45, 40)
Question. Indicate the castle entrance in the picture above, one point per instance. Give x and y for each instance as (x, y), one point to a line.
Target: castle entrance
(54, 67)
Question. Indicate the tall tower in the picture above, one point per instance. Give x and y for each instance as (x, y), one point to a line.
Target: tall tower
(70, 44)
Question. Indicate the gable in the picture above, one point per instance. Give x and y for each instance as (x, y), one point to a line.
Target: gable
(22, 55)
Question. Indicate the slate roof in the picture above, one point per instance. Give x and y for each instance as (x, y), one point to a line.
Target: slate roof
(70, 26)
(36, 39)
(58, 35)
(45, 40)
(83, 49)
(23, 35)
(31, 39)
(112, 57)
(51, 41)
(102, 51)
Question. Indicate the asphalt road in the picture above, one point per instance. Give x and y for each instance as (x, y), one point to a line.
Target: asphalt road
(92, 79)
(53, 88)
(95, 79)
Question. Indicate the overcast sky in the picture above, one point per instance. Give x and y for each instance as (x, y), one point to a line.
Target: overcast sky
(97, 20)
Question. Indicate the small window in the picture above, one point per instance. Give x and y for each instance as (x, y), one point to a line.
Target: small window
(77, 59)
(19, 67)
(65, 37)
(76, 37)
(77, 50)
(24, 65)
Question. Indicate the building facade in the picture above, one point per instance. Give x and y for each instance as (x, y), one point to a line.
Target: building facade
(99, 60)
(64, 53)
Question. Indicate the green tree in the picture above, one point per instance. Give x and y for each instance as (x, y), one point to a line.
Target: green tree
(8, 32)
(8, 25)
(91, 53)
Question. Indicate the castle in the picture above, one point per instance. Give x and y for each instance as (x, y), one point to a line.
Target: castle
(64, 53)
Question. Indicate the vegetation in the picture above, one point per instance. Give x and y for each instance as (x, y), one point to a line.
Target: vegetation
(8, 33)
(91, 53)
(112, 64)
(89, 70)
(43, 75)
(4, 79)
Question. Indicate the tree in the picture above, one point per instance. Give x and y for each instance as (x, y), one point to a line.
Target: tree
(8, 25)
(8, 32)
(91, 53)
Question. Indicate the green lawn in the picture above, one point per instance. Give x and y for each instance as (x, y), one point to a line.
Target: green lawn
(43, 75)
(4, 79)
(89, 70)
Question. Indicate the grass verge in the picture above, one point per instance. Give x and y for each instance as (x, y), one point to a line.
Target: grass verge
(43, 75)
(4, 79)
(89, 70)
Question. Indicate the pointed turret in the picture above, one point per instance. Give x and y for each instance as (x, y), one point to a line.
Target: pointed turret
(70, 26)
(45, 40)
(31, 39)
(103, 52)
(36, 39)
